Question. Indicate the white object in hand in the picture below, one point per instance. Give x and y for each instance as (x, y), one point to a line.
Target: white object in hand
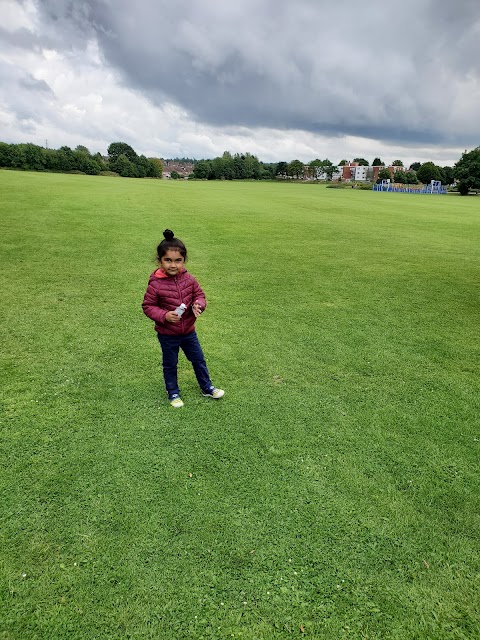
(181, 309)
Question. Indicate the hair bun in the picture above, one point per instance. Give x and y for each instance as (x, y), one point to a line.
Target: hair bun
(168, 235)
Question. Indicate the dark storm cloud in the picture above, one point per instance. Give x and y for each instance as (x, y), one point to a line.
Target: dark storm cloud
(406, 76)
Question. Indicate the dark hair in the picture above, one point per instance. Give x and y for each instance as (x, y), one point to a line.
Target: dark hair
(171, 242)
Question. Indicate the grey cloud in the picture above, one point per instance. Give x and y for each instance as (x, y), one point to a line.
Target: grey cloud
(12, 78)
(20, 38)
(71, 21)
(25, 39)
(32, 84)
(24, 96)
(316, 66)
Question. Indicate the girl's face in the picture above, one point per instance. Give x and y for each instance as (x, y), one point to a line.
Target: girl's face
(172, 262)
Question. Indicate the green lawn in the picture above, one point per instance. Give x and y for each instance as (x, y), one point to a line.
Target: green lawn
(333, 493)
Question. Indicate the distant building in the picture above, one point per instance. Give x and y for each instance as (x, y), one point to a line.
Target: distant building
(353, 171)
(184, 169)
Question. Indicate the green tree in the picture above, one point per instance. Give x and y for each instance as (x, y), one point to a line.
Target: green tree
(155, 168)
(397, 163)
(142, 166)
(83, 161)
(383, 174)
(83, 149)
(415, 166)
(361, 161)
(296, 169)
(100, 160)
(329, 168)
(239, 169)
(52, 160)
(427, 172)
(282, 169)
(318, 167)
(6, 154)
(30, 157)
(217, 169)
(125, 167)
(18, 156)
(342, 163)
(116, 149)
(66, 159)
(252, 166)
(201, 170)
(377, 163)
(228, 166)
(268, 170)
(315, 164)
(400, 177)
(405, 177)
(467, 171)
(411, 177)
(448, 175)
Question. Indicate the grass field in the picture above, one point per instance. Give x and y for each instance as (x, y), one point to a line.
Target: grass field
(334, 491)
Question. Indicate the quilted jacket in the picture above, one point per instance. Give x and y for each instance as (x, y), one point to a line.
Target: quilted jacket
(165, 293)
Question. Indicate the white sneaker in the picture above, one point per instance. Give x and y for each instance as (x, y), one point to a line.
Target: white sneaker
(214, 393)
(176, 402)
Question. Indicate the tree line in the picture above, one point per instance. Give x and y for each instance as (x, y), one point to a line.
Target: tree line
(247, 166)
(124, 161)
(240, 166)
(465, 173)
(121, 160)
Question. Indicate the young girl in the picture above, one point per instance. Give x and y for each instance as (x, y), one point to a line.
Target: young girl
(168, 288)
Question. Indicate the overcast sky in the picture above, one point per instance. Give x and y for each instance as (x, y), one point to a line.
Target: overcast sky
(281, 79)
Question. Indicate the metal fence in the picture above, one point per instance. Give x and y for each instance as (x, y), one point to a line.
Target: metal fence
(435, 188)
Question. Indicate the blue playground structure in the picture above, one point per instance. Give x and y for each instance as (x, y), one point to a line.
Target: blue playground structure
(435, 187)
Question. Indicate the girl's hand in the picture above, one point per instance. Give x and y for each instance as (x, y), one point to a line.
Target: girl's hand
(197, 309)
(171, 316)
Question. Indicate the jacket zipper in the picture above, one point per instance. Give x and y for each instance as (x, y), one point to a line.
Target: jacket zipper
(180, 296)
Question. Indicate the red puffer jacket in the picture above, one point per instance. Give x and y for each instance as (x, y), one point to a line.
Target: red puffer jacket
(165, 293)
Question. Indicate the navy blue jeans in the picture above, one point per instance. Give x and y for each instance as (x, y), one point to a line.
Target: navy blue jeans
(193, 351)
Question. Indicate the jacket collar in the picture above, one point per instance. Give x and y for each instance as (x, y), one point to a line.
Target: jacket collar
(160, 273)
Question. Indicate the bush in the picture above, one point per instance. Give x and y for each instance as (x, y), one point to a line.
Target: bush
(365, 186)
